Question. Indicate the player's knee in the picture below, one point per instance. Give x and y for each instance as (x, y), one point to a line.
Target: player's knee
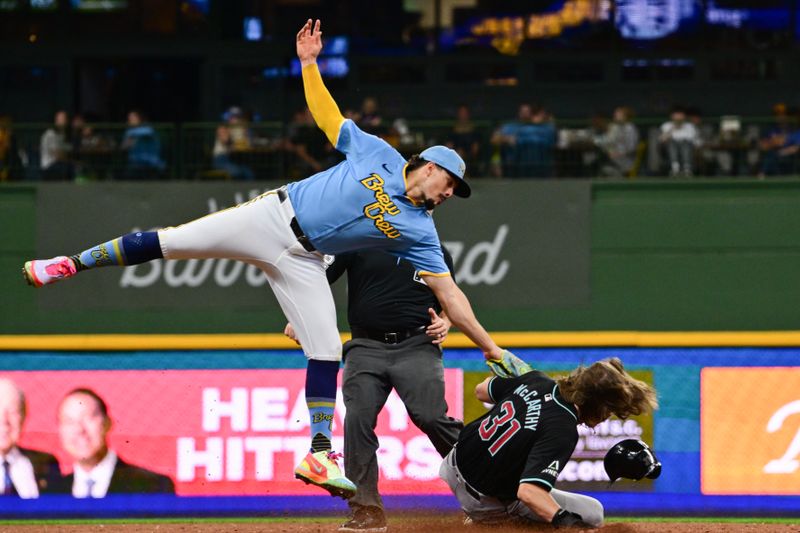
(329, 356)
(593, 514)
(324, 349)
(426, 421)
(360, 418)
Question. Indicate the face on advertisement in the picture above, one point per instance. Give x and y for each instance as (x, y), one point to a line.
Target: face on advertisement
(12, 414)
(83, 425)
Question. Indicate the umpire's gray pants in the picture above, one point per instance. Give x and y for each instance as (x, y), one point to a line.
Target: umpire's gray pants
(371, 369)
(488, 510)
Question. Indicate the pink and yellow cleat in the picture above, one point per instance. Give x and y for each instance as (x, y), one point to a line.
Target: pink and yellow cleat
(321, 469)
(41, 272)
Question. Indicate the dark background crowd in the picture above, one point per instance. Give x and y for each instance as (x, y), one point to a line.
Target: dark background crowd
(210, 89)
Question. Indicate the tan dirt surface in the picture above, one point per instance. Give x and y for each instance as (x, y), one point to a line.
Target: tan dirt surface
(397, 524)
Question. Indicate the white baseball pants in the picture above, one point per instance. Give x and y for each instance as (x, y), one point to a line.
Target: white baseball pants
(258, 233)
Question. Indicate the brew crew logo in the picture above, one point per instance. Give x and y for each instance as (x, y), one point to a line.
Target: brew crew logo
(381, 207)
(322, 417)
(101, 256)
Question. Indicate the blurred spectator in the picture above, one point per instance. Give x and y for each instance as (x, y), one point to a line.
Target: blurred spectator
(239, 126)
(25, 473)
(526, 144)
(679, 137)
(788, 155)
(143, 145)
(773, 159)
(10, 161)
(730, 147)
(466, 140)
(83, 426)
(619, 144)
(704, 162)
(93, 154)
(54, 150)
(369, 118)
(233, 136)
(400, 137)
(309, 151)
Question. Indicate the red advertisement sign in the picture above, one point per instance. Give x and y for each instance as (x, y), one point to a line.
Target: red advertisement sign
(225, 432)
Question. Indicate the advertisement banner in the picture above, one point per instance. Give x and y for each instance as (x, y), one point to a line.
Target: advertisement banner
(220, 432)
(750, 430)
(585, 470)
(508, 235)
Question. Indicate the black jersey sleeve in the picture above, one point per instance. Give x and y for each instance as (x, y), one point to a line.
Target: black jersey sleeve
(499, 388)
(338, 267)
(549, 456)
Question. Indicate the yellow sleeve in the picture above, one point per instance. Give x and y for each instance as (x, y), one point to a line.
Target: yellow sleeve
(323, 108)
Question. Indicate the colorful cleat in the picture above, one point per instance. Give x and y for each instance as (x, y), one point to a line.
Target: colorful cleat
(321, 469)
(40, 272)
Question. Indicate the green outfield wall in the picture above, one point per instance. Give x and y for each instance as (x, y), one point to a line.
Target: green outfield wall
(568, 255)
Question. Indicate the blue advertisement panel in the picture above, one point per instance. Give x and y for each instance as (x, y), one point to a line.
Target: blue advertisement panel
(688, 432)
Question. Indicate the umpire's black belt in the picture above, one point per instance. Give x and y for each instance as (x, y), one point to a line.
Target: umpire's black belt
(389, 337)
(296, 229)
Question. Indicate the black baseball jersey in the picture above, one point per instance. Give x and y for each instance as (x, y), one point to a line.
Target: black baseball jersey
(385, 293)
(527, 437)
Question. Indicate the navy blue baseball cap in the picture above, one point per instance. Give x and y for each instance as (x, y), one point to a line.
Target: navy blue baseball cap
(449, 160)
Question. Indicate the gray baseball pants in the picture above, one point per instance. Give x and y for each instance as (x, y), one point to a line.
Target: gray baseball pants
(489, 510)
(371, 369)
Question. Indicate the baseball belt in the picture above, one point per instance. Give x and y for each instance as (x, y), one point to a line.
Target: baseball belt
(302, 238)
(388, 337)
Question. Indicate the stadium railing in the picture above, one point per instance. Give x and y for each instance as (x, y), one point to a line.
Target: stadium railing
(728, 146)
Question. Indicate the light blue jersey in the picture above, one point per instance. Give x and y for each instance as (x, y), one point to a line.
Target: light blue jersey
(361, 204)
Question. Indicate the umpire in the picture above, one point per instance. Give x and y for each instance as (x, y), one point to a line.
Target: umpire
(505, 464)
(396, 337)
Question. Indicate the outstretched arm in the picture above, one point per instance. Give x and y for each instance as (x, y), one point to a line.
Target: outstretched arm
(323, 108)
(460, 313)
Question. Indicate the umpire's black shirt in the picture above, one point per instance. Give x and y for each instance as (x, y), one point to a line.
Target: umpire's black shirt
(385, 293)
(527, 437)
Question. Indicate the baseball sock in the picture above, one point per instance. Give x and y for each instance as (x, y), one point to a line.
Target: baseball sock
(130, 249)
(321, 400)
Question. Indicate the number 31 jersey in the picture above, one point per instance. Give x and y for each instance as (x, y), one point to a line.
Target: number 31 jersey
(527, 437)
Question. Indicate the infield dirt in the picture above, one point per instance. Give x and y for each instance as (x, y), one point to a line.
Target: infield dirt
(397, 524)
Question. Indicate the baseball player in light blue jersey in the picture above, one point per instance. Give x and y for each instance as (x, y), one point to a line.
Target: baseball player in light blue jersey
(373, 199)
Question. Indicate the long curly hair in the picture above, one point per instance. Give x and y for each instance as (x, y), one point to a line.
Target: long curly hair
(603, 389)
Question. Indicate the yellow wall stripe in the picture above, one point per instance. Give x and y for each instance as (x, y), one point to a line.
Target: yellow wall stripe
(277, 341)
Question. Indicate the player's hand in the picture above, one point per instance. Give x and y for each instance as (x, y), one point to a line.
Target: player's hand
(508, 365)
(309, 43)
(439, 327)
(289, 332)
(564, 518)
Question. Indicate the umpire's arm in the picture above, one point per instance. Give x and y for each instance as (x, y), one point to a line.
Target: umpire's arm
(459, 311)
(323, 108)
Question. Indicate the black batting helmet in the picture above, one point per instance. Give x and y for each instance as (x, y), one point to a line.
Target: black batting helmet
(631, 459)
